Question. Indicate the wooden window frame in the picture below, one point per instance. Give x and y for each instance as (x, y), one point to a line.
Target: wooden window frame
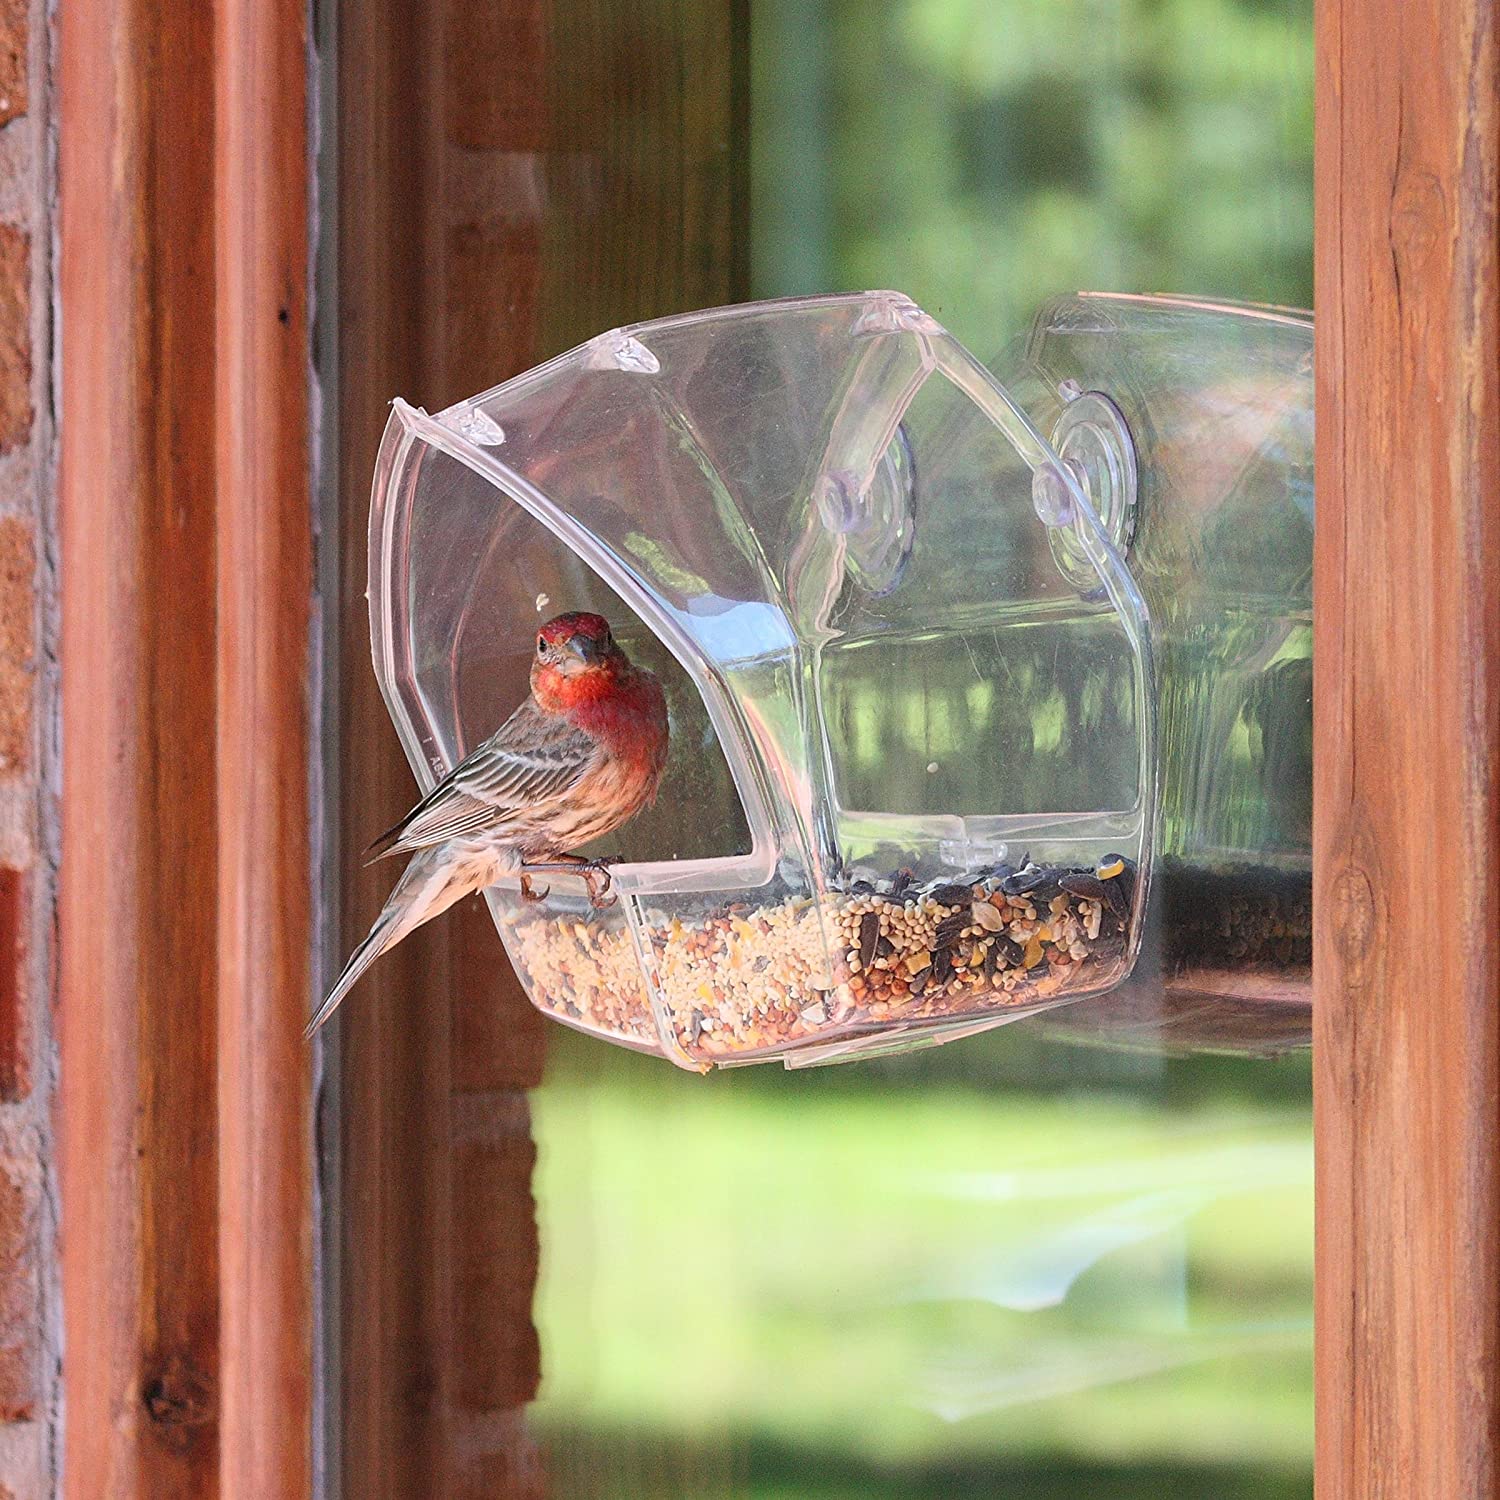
(1406, 861)
(188, 903)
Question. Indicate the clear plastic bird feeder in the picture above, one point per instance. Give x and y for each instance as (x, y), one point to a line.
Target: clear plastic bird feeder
(913, 771)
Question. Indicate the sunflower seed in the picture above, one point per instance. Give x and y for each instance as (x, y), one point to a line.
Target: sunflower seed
(1117, 898)
(1126, 877)
(949, 928)
(952, 895)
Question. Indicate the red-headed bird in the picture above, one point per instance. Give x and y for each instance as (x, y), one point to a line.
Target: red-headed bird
(582, 755)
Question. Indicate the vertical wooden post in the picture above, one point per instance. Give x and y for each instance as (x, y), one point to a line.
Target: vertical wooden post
(186, 884)
(516, 175)
(264, 573)
(139, 892)
(1407, 901)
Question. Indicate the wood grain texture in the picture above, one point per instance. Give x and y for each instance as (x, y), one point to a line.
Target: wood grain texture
(264, 631)
(185, 889)
(139, 888)
(516, 175)
(1407, 631)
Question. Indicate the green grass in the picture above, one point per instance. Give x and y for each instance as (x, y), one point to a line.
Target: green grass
(925, 1277)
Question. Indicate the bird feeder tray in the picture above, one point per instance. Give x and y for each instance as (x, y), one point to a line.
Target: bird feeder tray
(914, 783)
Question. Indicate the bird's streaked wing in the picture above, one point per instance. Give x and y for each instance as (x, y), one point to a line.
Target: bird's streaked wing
(531, 759)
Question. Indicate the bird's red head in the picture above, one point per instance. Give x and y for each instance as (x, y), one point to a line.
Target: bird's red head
(576, 659)
(560, 630)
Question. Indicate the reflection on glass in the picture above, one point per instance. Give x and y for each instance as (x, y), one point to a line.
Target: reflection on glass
(1013, 1266)
(1005, 1267)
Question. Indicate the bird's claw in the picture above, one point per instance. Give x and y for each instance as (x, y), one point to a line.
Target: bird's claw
(593, 872)
(597, 879)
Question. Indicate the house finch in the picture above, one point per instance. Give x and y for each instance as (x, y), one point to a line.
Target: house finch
(582, 755)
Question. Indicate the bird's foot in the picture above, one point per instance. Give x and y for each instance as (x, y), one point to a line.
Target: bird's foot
(593, 872)
(528, 893)
(597, 878)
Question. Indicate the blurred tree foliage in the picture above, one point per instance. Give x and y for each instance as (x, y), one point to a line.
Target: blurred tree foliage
(983, 155)
(986, 155)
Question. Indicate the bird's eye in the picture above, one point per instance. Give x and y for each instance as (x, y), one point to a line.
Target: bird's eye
(541, 645)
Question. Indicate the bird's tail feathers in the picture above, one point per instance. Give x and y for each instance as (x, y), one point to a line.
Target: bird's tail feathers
(363, 956)
(426, 888)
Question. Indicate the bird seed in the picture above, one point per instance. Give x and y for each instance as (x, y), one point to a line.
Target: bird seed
(740, 980)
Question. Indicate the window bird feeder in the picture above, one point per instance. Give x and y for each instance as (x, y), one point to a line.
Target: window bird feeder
(900, 608)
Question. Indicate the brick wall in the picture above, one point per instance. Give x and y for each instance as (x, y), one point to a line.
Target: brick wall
(28, 760)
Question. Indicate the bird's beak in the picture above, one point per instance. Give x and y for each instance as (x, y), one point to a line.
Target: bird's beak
(586, 649)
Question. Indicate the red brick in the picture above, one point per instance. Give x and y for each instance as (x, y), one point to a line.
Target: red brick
(15, 335)
(514, 1473)
(18, 1297)
(15, 34)
(15, 1010)
(499, 1036)
(17, 637)
(496, 1355)
(500, 333)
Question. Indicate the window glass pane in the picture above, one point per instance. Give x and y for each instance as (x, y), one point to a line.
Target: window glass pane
(1025, 1264)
